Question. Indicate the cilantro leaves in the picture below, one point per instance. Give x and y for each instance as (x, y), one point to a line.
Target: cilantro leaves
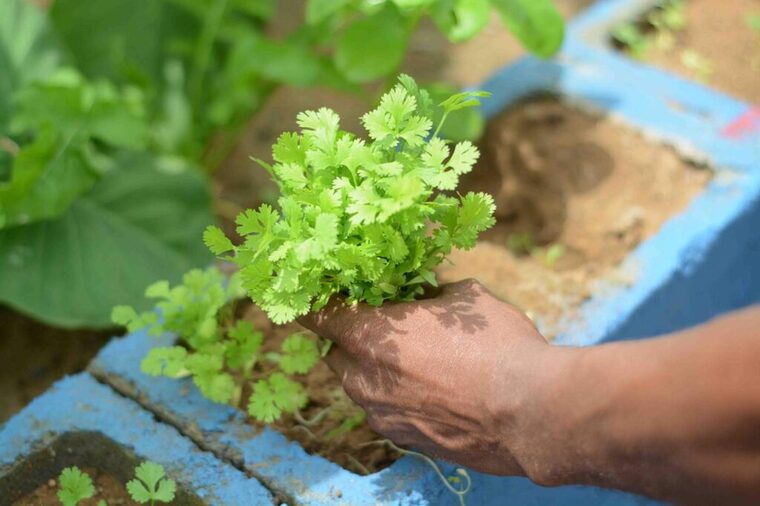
(368, 219)
(221, 355)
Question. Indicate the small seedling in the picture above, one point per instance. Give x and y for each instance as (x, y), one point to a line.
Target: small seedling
(150, 485)
(74, 486)
(668, 19)
(698, 64)
(521, 243)
(221, 354)
(549, 256)
(633, 40)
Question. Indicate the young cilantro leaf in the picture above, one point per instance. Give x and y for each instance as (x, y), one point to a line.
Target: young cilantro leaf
(168, 361)
(299, 354)
(150, 484)
(275, 395)
(75, 486)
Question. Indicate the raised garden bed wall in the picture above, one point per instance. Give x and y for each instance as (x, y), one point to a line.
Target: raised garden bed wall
(696, 266)
(80, 422)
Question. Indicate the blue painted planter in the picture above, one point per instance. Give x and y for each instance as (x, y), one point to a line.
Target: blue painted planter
(57, 429)
(703, 262)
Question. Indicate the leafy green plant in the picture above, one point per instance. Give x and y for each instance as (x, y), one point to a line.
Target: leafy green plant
(221, 354)
(368, 219)
(149, 485)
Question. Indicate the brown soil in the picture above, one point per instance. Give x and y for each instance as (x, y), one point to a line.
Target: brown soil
(353, 449)
(718, 30)
(35, 356)
(571, 178)
(106, 487)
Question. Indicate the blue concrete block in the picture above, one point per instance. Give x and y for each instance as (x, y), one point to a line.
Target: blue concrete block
(79, 404)
(703, 261)
(305, 479)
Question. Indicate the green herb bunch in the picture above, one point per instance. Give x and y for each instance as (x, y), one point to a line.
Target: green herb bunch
(369, 219)
(220, 353)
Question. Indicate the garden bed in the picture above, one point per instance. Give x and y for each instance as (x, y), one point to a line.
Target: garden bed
(80, 422)
(718, 46)
(576, 192)
(34, 482)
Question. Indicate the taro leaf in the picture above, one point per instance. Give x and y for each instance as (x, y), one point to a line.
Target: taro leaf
(136, 225)
(118, 39)
(537, 24)
(27, 50)
(372, 47)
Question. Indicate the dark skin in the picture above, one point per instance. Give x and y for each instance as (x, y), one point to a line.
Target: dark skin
(467, 378)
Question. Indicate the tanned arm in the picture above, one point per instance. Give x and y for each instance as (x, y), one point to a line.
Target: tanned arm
(468, 378)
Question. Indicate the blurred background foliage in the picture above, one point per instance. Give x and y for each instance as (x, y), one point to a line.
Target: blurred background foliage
(114, 114)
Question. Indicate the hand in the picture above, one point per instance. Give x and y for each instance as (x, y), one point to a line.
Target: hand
(439, 375)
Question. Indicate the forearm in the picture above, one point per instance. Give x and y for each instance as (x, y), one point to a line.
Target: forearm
(676, 417)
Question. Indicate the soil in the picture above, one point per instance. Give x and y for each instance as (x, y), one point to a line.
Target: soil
(718, 31)
(329, 407)
(571, 178)
(106, 487)
(36, 355)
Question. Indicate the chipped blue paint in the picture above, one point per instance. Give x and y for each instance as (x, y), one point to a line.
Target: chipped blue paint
(79, 403)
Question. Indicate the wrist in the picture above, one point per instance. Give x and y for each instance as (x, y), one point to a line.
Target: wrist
(551, 420)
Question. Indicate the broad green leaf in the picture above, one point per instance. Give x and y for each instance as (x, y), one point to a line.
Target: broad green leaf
(320, 10)
(27, 50)
(537, 24)
(115, 39)
(46, 177)
(461, 20)
(372, 47)
(135, 226)
(284, 62)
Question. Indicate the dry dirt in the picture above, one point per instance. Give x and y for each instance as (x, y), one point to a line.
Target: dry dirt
(574, 179)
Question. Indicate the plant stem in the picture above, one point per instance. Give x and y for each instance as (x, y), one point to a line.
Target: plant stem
(203, 50)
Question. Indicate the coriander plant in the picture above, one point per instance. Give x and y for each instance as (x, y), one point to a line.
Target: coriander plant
(221, 354)
(149, 485)
(366, 218)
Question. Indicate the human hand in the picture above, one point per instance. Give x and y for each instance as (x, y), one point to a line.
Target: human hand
(441, 375)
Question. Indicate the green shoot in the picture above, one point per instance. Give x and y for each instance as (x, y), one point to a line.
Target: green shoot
(368, 219)
(632, 39)
(220, 354)
(74, 486)
(150, 484)
(698, 64)
(521, 243)
(549, 256)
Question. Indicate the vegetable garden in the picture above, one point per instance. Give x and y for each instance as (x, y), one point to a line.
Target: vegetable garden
(198, 175)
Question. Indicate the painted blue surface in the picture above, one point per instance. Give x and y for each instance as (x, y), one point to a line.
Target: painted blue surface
(703, 262)
(286, 468)
(79, 403)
